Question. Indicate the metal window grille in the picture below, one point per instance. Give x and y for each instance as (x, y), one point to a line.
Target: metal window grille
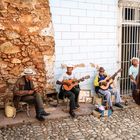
(129, 39)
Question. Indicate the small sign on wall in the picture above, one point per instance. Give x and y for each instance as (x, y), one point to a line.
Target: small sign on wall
(85, 96)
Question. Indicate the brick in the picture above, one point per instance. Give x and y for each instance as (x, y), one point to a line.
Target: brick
(86, 35)
(60, 11)
(78, 27)
(85, 20)
(63, 42)
(69, 20)
(54, 3)
(69, 4)
(56, 19)
(77, 12)
(70, 50)
(101, 21)
(79, 42)
(58, 50)
(93, 28)
(70, 35)
(100, 7)
(83, 5)
(61, 27)
(58, 35)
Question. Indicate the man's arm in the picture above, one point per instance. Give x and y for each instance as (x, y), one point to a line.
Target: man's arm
(131, 76)
(96, 82)
(18, 89)
(132, 79)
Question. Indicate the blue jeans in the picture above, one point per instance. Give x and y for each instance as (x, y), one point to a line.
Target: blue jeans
(108, 94)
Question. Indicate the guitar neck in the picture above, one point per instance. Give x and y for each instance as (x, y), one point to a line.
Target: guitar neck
(115, 74)
(83, 78)
(79, 80)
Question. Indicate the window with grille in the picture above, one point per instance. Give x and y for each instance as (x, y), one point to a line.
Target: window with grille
(130, 39)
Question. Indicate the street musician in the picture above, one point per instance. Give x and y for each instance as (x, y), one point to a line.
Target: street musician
(102, 87)
(73, 93)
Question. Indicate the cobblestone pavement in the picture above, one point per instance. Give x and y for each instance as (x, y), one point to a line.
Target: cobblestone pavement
(122, 125)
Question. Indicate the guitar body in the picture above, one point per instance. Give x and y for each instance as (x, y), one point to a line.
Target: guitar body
(72, 84)
(106, 84)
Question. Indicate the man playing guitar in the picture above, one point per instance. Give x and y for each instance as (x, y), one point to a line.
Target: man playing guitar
(99, 81)
(71, 94)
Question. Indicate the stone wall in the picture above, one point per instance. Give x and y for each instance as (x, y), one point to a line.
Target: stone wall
(26, 40)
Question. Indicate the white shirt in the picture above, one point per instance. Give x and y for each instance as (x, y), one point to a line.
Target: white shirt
(134, 71)
(65, 76)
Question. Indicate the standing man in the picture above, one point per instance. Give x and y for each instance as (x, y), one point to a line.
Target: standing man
(133, 72)
(24, 91)
(107, 93)
(71, 94)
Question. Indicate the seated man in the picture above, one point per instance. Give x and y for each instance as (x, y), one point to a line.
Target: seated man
(97, 83)
(24, 91)
(73, 93)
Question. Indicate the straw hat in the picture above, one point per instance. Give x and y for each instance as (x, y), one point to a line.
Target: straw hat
(134, 58)
(28, 71)
(70, 65)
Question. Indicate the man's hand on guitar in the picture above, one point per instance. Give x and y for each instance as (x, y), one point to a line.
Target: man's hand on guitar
(66, 83)
(102, 83)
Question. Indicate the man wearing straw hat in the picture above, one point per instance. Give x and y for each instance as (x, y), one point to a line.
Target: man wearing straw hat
(24, 91)
(73, 93)
(133, 72)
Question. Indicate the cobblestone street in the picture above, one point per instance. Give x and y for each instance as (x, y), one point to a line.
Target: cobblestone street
(122, 125)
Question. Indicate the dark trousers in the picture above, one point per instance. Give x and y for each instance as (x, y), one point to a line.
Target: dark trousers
(133, 86)
(73, 97)
(34, 98)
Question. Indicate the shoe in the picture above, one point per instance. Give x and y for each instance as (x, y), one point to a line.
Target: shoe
(40, 118)
(72, 114)
(119, 105)
(43, 113)
(126, 103)
(77, 106)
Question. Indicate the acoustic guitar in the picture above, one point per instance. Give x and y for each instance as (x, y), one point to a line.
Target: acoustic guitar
(74, 83)
(104, 84)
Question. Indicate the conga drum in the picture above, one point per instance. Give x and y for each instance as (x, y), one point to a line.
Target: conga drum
(136, 96)
(136, 92)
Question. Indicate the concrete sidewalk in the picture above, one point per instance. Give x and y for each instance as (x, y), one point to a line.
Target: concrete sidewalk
(55, 113)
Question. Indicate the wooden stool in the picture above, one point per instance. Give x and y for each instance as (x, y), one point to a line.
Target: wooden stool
(104, 100)
(23, 106)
